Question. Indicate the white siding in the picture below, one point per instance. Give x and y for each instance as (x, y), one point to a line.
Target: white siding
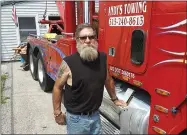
(10, 33)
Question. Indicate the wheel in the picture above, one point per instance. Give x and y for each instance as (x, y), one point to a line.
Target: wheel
(46, 83)
(33, 65)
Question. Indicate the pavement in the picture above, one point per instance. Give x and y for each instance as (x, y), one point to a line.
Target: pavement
(29, 109)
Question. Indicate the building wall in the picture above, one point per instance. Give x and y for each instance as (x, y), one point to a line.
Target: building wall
(10, 33)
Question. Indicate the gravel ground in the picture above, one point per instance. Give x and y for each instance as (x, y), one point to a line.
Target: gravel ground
(29, 109)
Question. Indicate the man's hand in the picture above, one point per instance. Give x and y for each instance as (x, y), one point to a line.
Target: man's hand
(120, 103)
(61, 119)
(109, 84)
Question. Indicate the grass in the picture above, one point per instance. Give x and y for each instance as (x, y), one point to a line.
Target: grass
(3, 80)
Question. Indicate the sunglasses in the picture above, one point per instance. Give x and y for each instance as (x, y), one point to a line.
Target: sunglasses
(89, 37)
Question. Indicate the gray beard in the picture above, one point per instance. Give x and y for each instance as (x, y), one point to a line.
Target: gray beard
(87, 53)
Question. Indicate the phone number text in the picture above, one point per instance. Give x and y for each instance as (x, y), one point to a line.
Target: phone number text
(127, 21)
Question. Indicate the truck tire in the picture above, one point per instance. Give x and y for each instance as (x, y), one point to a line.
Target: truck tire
(46, 83)
(33, 66)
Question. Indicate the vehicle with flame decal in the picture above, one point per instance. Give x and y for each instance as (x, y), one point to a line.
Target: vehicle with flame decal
(145, 43)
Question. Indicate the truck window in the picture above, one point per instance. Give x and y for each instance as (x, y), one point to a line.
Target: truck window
(137, 47)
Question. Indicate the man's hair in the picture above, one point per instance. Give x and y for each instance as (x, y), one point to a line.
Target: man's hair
(81, 27)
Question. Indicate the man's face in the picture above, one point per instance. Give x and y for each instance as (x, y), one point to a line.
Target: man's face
(87, 44)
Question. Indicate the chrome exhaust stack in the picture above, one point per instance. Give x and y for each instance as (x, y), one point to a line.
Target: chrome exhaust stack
(86, 12)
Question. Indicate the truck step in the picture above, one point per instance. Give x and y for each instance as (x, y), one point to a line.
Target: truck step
(108, 127)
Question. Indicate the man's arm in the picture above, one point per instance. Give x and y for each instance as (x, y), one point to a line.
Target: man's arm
(62, 76)
(109, 84)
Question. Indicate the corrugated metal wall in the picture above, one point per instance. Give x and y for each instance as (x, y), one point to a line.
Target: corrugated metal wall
(9, 32)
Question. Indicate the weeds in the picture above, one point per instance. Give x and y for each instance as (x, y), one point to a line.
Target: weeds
(3, 80)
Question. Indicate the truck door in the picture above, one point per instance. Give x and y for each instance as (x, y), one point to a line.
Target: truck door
(127, 31)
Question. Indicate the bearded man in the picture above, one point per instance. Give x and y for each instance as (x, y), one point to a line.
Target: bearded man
(84, 75)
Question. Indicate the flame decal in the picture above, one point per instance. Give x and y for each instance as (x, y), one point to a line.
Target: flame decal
(171, 61)
(175, 25)
(170, 52)
(174, 31)
(174, 53)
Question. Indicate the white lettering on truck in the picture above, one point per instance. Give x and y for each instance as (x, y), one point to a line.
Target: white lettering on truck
(136, 8)
(122, 72)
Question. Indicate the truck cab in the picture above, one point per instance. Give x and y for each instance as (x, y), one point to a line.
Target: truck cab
(146, 47)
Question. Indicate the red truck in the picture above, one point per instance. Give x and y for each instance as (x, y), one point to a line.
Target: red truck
(145, 43)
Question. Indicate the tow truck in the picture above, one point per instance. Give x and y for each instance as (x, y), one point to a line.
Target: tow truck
(145, 42)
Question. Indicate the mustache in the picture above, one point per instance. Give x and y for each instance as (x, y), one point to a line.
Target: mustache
(90, 46)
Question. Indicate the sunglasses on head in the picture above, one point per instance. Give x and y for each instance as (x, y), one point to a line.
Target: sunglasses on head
(89, 37)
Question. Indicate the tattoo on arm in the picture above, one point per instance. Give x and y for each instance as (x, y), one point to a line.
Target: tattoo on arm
(61, 69)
